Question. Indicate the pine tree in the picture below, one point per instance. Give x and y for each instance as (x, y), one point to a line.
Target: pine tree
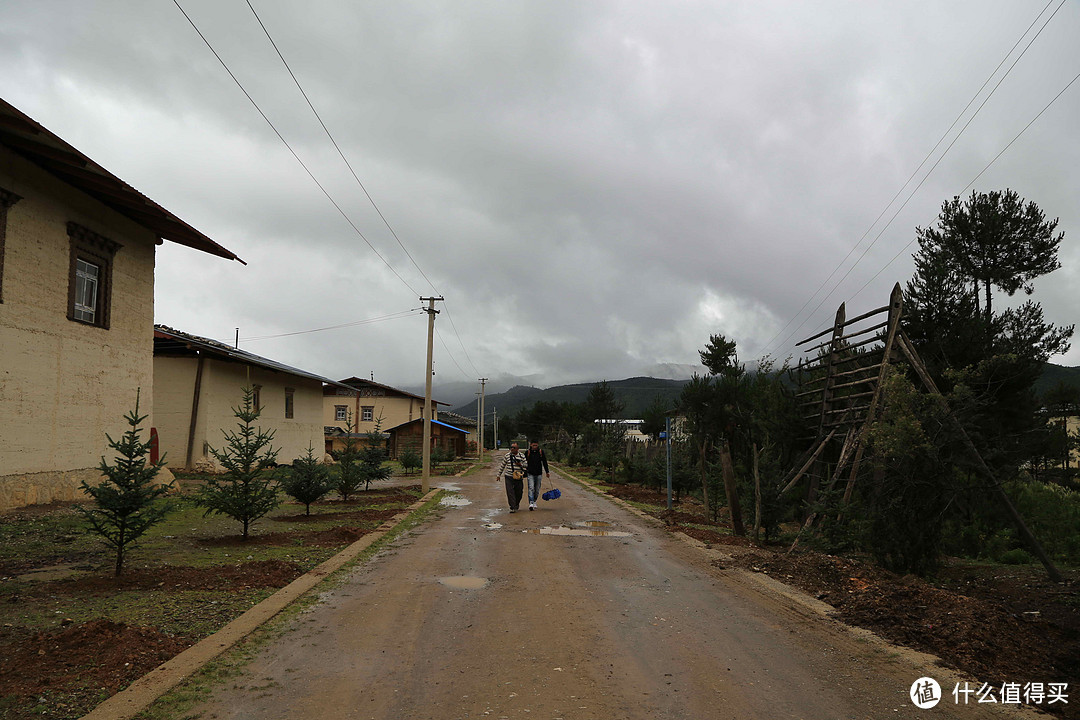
(373, 456)
(307, 480)
(128, 501)
(350, 471)
(243, 493)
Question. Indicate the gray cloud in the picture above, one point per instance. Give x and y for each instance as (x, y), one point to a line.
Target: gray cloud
(595, 187)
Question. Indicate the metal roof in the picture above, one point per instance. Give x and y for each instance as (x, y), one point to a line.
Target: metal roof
(28, 138)
(168, 341)
(433, 422)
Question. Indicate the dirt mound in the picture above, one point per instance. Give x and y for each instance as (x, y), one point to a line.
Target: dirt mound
(981, 636)
(86, 658)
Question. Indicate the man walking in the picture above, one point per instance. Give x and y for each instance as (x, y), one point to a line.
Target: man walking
(513, 472)
(535, 461)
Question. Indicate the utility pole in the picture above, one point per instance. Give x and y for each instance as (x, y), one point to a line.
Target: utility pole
(667, 438)
(482, 381)
(432, 312)
(495, 415)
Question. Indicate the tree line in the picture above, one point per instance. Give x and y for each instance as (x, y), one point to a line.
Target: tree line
(920, 493)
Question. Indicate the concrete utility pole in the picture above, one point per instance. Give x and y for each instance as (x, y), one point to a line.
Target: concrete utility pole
(481, 423)
(495, 427)
(432, 312)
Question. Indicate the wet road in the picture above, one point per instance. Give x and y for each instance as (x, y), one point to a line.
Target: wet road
(485, 614)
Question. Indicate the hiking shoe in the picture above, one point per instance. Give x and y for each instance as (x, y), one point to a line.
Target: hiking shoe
(513, 510)
(532, 506)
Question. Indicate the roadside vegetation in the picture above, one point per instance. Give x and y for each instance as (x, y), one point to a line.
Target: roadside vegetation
(921, 496)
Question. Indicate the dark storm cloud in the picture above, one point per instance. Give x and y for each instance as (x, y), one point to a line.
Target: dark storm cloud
(595, 187)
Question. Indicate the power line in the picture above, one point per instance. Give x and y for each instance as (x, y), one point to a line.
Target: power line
(987, 167)
(921, 182)
(358, 181)
(286, 143)
(381, 318)
(334, 142)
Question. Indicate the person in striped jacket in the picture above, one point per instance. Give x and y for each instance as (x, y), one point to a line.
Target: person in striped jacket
(513, 472)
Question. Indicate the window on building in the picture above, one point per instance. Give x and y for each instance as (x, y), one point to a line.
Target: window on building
(256, 397)
(90, 276)
(367, 413)
(289, 392)
(341, 413)
(7, 199)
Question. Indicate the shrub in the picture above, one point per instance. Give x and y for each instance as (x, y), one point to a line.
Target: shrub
(307, 481)
(244, 492)
(128, 501)
(410, 460)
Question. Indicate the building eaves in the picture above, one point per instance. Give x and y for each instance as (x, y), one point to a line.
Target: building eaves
(30, 139)
(168, 341)
(357, 382)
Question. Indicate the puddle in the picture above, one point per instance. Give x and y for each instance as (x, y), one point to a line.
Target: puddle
(576, 532)
(454, 501)
(464, 582)
(593, 523)
(493, 526)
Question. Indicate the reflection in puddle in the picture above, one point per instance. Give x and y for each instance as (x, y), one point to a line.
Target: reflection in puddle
(576, 532)
(593, 523)
(493, 526)
(454, 501)
(464, 582)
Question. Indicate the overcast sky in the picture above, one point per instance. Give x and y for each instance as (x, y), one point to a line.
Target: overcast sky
(594, 187)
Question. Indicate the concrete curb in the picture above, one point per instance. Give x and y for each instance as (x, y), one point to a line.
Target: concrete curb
(140, 694)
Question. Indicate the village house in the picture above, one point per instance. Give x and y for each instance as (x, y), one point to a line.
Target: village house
(367, 405)
(77, 253)
(198, 382)
(410, 436)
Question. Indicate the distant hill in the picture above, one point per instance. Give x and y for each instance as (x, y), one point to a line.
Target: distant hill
(1054, 374)
(635, 393)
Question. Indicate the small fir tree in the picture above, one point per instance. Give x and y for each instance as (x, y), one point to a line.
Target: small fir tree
(373, 456)
(410, 460)
(350, 470)
(307, 481)
(128, 501)
(243, 493)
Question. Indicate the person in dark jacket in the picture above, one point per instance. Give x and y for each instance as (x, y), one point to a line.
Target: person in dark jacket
(535, 461)
(513, 463)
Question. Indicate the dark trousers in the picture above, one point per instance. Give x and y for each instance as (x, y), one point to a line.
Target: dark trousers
(514, 490)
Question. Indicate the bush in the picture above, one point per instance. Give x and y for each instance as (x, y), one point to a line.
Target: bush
(1017, 556)
(410, 460)
(307, 481)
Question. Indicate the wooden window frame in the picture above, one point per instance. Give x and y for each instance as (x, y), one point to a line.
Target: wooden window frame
(290, 394)
(7, 199)
(367, 413)
(95, 249)
(341, 413)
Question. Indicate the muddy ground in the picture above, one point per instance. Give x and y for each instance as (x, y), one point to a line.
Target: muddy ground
(999, 623)
(65, 669)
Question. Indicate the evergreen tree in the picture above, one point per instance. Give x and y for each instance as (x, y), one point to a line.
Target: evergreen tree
(350, 470)
(994, 240)
(244, 493)
(373, 457)
(128, 501)
(410, 460)
(307, 481)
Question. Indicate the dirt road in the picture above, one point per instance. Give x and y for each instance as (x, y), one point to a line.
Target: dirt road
(586, 627)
